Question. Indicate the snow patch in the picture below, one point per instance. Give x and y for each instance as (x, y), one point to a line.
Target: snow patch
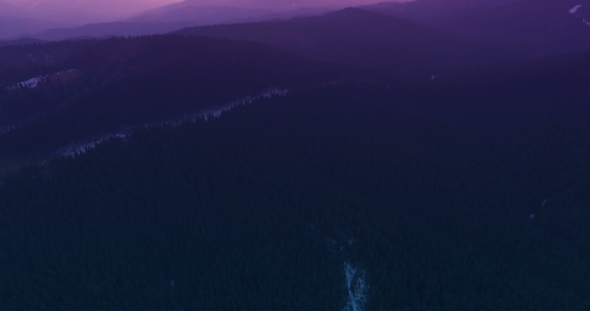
(34, 82)
(31, 83)
(216, 113)
(356, 287)
(73, 150)
(575, 9)
(355, 283)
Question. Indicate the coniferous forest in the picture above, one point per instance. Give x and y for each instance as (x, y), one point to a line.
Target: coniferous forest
(328, 186)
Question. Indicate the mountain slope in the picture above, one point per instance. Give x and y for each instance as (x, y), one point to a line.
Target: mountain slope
(60, 93)
(530, 27)
(281, 199)
(361, 37)
(534, 27)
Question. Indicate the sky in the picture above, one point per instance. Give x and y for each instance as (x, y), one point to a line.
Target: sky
(104, 10)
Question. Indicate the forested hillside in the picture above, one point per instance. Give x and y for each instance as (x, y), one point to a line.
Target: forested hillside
(125, 82)
(352, 161)
(438, 204)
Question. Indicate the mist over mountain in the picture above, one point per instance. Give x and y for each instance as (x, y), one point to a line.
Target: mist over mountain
(30, 18)
(166, 20)
(76, 12)
(12, 26)
(279, 5)
(219, 14)
(188, 11)
(84, 20)
(7, 9)
(16, 21)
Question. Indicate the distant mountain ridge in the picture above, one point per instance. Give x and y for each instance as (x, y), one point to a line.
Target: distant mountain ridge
(113, 29)
(158, 21)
